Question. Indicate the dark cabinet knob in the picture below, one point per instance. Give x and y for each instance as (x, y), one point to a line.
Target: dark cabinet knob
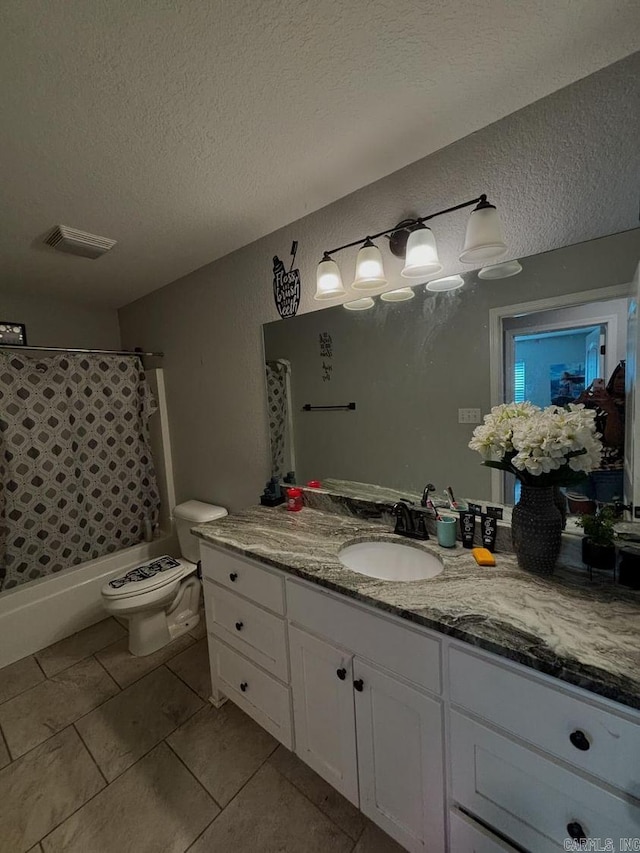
(244, 686)
(575, 831)
(239, 626)
(359, 685)
(233, 576)
(341, 673)
(579, 740)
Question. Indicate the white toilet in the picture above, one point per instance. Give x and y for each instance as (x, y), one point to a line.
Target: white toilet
(161, 598)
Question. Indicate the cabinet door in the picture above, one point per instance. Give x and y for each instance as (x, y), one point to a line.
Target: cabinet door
(324, 720)
(399, 732)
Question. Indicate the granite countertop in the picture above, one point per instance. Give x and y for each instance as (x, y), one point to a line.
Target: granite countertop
(584, 633)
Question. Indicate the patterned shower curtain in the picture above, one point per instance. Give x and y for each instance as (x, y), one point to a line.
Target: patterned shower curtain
(76, 474)
(280, 427)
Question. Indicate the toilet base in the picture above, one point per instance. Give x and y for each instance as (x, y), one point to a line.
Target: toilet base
(150, 630)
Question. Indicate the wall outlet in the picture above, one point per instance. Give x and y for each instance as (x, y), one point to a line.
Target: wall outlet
(469, 416)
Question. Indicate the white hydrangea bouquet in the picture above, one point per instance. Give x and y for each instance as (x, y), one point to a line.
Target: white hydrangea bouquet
(541, 447)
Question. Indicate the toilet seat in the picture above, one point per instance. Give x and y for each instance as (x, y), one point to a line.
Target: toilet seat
(148, 577)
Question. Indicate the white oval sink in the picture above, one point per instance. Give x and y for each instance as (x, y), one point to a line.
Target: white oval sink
(390, 561)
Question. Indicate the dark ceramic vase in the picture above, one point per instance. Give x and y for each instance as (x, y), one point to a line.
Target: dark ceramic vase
(536, 529)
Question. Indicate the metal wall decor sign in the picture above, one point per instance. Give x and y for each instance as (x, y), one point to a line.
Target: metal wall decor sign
(286, 285)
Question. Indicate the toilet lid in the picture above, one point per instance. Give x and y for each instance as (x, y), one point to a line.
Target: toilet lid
(146, 577)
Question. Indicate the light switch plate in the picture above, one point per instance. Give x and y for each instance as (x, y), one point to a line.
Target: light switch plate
(469, 416)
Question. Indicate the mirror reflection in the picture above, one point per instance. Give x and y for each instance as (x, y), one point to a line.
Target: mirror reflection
(388, 392)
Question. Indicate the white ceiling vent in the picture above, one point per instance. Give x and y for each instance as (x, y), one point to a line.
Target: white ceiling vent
(66, 239)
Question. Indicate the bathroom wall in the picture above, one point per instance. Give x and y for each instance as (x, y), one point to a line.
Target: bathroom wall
(562, 170)
(58, 323)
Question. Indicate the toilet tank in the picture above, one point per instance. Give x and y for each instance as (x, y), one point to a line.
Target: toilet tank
(188, 514)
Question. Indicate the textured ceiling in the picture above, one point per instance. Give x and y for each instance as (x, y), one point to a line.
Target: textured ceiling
(185, 129)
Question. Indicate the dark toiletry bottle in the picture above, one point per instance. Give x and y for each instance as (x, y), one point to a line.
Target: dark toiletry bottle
(467, 528)
(488, 527)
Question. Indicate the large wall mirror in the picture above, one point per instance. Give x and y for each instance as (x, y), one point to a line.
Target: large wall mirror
(419, 370)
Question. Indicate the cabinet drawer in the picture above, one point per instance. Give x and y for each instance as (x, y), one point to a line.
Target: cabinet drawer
(258, 634)
(398, 648)
(244, 577)
(468, 836)
(262, 697)
(550, 719)
(527, 798)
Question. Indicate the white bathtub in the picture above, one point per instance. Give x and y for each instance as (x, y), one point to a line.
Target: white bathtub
(36, 614)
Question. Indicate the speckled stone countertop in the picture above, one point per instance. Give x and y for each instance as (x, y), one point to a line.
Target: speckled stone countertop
(584, 633)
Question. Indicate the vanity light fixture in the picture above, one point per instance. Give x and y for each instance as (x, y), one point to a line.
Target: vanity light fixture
(402, 294)
(422, 254)
(483, 239)
(503, 270)
(359, 304)
(369, 268)
(329, 280)
(449, 282)
(416, 242)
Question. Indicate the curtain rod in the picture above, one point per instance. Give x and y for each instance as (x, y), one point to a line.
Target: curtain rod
(123, 352)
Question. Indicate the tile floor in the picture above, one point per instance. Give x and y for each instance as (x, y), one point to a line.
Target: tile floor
(102, 752)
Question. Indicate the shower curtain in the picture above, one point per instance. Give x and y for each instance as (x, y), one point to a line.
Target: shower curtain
(76, 473)
(280, 417)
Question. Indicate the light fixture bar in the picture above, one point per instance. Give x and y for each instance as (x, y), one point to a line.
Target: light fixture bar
(482, 199)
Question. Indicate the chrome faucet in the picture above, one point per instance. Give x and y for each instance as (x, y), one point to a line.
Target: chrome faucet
(411, 520)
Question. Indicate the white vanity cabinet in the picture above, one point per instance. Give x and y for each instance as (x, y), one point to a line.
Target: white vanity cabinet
(412, 726)
(374, 738)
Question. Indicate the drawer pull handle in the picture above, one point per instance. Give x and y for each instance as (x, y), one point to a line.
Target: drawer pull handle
(359, 685)
(576, 832)
(579, 740)
(233, 576)
(239, 626)
(341, 673)
(243, 686)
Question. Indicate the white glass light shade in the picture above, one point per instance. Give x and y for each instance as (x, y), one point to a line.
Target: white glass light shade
(329, 281)
(422, 254)
(359, 304)
(369, 269)
(503, 270)
(400, 295)
(449, 282)
(483, 239)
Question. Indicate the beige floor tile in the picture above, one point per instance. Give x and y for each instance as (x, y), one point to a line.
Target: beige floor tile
(124, 728)
(50, 706)
(269, 814)
(78, 646)
(18, 677)
(222, 748)
(327, 799)
(374, 840)
(5, 758)
(192, 666)
(43, 788)
(155, 807)
(127, 668)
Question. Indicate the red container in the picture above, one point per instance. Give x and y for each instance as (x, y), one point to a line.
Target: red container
(294, 500)
(314, 484)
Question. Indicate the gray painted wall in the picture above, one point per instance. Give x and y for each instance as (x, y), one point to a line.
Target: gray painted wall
(58, 323)
(562, 170)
